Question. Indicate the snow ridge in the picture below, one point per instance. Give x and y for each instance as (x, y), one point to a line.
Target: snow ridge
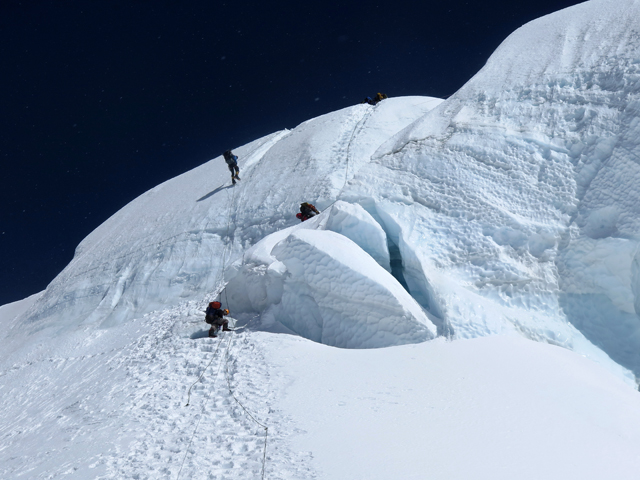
(508, 211)
(518, 194)
(317, 283)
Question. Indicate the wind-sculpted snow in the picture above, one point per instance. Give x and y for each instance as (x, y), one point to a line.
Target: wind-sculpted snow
(511, 208)
(522, 188)
(358, 225)
(354, 302)
(173, 242)
(322, 286)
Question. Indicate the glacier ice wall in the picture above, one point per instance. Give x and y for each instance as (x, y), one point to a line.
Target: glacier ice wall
(322, 285)
(510, 207)
(521, 189)
(171, 243)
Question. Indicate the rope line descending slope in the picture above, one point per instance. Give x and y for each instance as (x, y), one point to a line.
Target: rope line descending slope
(204, 403)
(266, 429)
(219, 280)
(227, 247)
(224, 265)
(360, 124)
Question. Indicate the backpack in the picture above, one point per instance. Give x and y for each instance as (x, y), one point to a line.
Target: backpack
(229, 157)
(308, 209)
(212, 308)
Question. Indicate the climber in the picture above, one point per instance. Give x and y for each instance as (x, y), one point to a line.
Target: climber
(377, 99)
(215, 318)
(232, 163)
(307, 211)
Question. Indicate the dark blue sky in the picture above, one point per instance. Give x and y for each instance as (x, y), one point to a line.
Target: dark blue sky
(103, 100)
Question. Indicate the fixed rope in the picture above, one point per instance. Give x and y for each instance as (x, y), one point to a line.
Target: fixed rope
(203, 409)
(219, 278)
(220, 275)
(201, 375)
(266, 428)
(360, 124)
(224, 266)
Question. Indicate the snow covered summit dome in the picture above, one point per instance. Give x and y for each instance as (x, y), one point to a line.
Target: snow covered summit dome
(173, 243)
(511, 207)
(519, 194)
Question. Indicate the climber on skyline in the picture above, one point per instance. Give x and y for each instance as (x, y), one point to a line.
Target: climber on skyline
(375, 100)
(232, 163)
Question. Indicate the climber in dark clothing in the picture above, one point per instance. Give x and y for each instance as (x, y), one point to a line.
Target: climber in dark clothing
(307, 211)
(215, 318)
(377, 99)
(232, 163)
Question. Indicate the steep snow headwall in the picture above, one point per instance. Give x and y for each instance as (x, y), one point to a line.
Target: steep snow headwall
(521, 189)
(323, 286)
(510, 207)
(170, 244)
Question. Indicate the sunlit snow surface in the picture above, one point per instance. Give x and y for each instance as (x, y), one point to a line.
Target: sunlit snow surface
(169, 244)
(110, 403)
(517, 199)
(325, 287)
(509, 211)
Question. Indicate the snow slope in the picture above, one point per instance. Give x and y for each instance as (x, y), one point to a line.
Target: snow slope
(168, 244)
(110, 404)
(508, 211)
(459, 410)
(515, 202)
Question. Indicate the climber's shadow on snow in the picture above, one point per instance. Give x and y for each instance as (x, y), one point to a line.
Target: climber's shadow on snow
(213, 192)
(200, 334)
